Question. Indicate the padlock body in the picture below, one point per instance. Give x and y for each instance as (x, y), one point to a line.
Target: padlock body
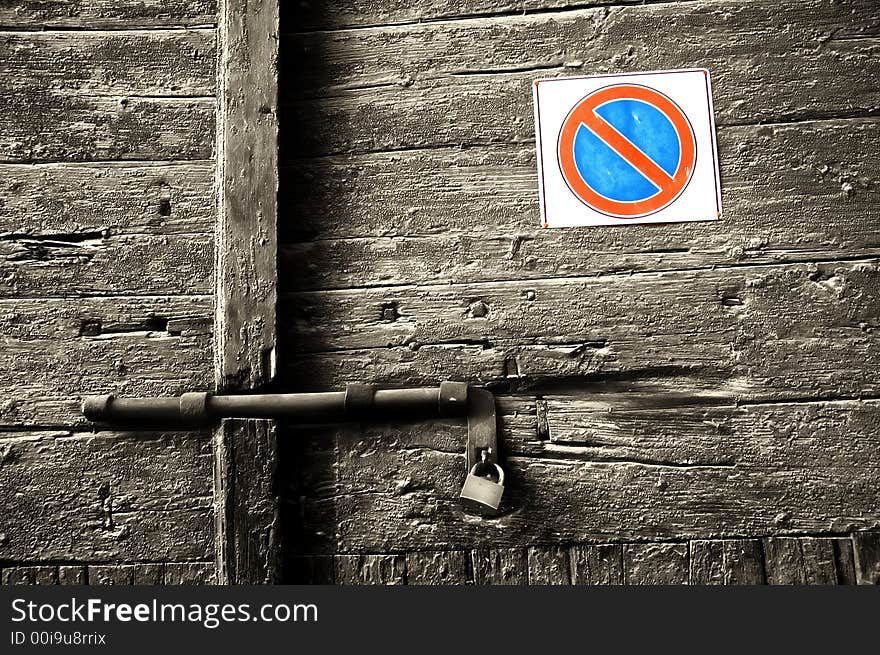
(481, 495)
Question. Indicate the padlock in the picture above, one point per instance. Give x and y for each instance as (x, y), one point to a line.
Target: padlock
(482, 495)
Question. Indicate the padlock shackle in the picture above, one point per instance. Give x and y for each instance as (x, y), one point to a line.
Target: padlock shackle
(497, 468)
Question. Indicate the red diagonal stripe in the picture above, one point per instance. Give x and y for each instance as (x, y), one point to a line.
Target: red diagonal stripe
(626, 149)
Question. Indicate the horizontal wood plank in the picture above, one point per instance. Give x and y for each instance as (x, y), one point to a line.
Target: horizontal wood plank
(340, 14)
(772, 332)
(68, 128)
(106, 14)
(776, 469)
(155, 199)
(57, 351)
(105, 497)
(436, 84)
(74, 229)
(792, 193)
(165, 63)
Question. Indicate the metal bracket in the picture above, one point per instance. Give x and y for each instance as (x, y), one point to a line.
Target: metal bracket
(482, 428)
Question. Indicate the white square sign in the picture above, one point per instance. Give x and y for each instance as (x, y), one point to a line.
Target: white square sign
(620, 149)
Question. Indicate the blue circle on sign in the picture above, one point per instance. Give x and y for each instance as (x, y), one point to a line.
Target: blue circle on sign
(605, 171)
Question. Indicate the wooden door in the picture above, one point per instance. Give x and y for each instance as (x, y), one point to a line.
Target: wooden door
(138, 187)
(678, 403)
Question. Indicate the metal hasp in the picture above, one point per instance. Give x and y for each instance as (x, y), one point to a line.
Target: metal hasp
(357, 402)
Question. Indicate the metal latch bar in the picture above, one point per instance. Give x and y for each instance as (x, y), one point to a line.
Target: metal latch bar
(450, 399)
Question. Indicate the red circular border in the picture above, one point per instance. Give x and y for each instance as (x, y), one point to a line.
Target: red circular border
(616, 208)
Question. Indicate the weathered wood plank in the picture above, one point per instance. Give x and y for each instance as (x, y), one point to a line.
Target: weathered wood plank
(72, 575)
(436, 83)
(437, 568)
(156, 199)
(111, 496)
(74, 229)
(66, 264)
(500, 566)
(867, 557)
(742, 330)
(807, 560)
(370, 569)
(189, 573)
(69, 128)
(775, 469)
(549, 565)
(57, 351)
(247, 179)
(247, 517)
(98, 14)
(472, 215)
(165, 63)
(809, 169)
(30, 575)
(82, 96)
(126, 574)
(339, 14)
(726, 562)
(248, 547)
(655, 564)
(598, 565)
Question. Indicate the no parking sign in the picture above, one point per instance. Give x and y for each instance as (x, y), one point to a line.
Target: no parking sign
(618, 149)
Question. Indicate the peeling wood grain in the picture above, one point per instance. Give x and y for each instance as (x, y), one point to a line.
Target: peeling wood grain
(189, 573)
(810, 561)
(67, 128)
(30, 575)
(370, 569)
(72, 575)
(66, 200)
(867, 557)
(549, 565)
(727, 562)
(472, 215)
(75, 229)
(126, 574)
(247, 180)
(817, 320)
(437, 568)
(436, 83)
(500, 566)
(786, 469)
(246, 504)
(57, 351)
(65, 264)
(598, 565)
(111, 496)
(655, 564)
(248, 513)
(165, 63)
(104, 14)
(340, 14)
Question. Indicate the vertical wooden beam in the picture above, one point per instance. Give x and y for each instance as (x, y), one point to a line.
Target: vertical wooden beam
(246, 506)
